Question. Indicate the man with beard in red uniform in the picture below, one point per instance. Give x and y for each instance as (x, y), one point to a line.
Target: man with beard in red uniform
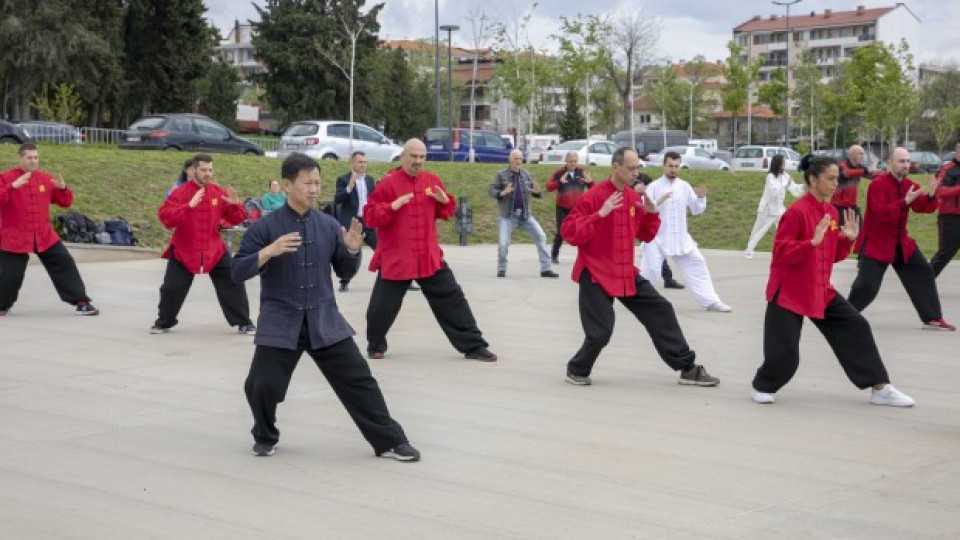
(194, 212)
(404, 208)
(603, 226)
(885, 241)
(26, 194)
(808, 243)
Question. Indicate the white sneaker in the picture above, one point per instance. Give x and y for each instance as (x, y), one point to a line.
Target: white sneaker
(748, 254)
(762, 398)
(890, 396)
(719, 307)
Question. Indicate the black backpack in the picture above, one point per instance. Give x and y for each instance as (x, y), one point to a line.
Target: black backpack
(118, 231)
(78, 228)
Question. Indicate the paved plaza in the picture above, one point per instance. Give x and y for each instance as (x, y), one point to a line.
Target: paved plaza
(110, 432)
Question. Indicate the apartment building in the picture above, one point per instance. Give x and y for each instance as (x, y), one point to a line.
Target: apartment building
(237, 50)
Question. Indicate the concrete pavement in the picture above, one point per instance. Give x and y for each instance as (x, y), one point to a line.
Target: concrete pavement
(113, 433)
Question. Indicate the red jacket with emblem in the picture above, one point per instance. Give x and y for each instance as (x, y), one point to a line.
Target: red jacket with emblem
(569, 192)
(605, 246)
(407, 243)
(948, 194)
(25, 227)
(196, 241)
(799, 270)
(885, 221)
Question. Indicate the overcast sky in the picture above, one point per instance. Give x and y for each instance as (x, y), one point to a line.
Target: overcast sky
(690, 27)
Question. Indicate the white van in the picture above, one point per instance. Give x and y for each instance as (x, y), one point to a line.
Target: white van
(710, 145)
(757, 158)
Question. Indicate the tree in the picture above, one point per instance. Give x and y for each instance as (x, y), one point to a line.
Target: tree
(808, 93)
(510, 40)
(66, 106)
(774, 93)
(631, 42)
(842, 104)
(740, 76)
(571, 123)
(582, 53)
(668, 96)
(389, 105)
(220, 93)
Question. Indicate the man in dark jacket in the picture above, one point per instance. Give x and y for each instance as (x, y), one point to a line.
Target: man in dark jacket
(353, 188)
(948, 220)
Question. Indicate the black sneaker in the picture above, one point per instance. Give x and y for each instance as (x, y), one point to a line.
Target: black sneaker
(158, 330)
(579, 380)
(672, 284)
(549, 274)
(344, 287)
(401, 452)
(263, 449)
(86, 309)
(501, 273)
(247, 329)
(481, 354)
(698, 376)
(3, 312)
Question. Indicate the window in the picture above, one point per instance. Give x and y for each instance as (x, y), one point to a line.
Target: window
(366, 134)
(700, 152)
(341, 131)
(210, 130)
(493, 140)
(599, 148)
(182, 125)
(301, 130)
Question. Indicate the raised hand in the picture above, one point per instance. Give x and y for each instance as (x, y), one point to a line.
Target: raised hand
(640, 187)
(648, 204)
(701, 191)
(586, 177)
(20, 182)
(438, 194)
(820, 230)
(59, 183)
(353, 237)
(507, 190)
(287, 243)
(232, 197)
(612, 203)
(931, 188)
(851, 224)
(663, 198)
(400, 201)
(912, 194)
(197, 197)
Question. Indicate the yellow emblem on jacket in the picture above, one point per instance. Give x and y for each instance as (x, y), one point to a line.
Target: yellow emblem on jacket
(43, 188)
(833, 224)
(633, 211)
(429, 191)
(213, 201)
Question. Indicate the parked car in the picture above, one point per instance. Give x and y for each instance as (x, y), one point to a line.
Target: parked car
(488, 146)
(588, 153)
(537, 144)
(181, 131)
(52, 131)
(330, 139)
(692, 157)
(841, 153)
(946, 158)
(13, 134)
(924, 162)
(724, 155)
(648, 142)
(757, 158)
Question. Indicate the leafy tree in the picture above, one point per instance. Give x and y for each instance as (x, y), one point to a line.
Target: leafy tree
(669, 98)
(740, 76)
(571, 123)
(583, 55)
(510, 76)
(808, 92)
(66, 106)
(390, 106)
(220, 92)
(774, 93)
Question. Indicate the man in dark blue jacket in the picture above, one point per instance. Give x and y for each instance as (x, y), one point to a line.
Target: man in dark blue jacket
(292, 250)
(353, 188)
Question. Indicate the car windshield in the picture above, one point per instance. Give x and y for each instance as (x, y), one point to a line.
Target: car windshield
(677, 149)
(570, 145)
(148, 124)
(749, 153)
(438, 135)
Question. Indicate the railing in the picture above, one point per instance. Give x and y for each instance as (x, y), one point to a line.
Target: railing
(268, 144)
(60, 134)
(92, 135)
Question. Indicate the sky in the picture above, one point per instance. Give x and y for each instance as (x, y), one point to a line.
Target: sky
(689, 27)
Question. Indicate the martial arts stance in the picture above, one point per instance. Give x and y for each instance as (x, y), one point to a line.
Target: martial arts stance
(673, 196)
(604, 226)
(808, 243)
(948, 218)
(852, 170)
(771, 207)
(885, 241)
(26, 194)
(292, 250)
(569, 181)
(404, 208)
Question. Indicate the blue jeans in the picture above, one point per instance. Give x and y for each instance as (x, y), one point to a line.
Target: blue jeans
(531, 227)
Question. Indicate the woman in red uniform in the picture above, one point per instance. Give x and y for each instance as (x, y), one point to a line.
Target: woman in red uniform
(808, 243)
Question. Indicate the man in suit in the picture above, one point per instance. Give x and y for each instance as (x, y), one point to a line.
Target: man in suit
(353, 188)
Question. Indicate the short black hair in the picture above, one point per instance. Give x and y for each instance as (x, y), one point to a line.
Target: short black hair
(26, 146)
(671, 155)
(816, 165)
(357, 153)
(296, 162)
(202, 158)
(618, 155)
(189, 163)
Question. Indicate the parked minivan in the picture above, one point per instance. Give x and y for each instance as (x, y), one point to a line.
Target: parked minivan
(651, 141)
(330, 139)
(488, 146)
(757, 158)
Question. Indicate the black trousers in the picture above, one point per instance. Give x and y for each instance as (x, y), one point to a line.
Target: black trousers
(562, 214)
(345, 369)
(842, 208)
(369, 238)
(445, 298)
(59, 265)
(948, 227)
(653, 311)
(231, 295)
(917, 277)
(845, 329)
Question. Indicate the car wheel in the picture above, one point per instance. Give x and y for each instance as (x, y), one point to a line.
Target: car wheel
(8, 140)
(171, 149)
(724, 168)
(330, 157)
(250, 153)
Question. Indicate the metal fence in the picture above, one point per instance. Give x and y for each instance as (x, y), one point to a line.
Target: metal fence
(64, 134)
(94, 135)
(268, 144)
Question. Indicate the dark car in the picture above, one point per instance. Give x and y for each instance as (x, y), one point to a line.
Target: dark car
(488, 146)
(189, 132)
(52, 131)
(13, 134)
(924, 162)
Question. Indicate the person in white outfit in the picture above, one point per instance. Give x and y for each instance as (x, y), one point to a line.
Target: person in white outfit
(771, 206)
(673, 197)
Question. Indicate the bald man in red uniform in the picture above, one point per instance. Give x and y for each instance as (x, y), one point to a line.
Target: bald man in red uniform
(26, 194)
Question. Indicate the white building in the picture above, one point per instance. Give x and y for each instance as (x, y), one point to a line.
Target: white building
(237, 50)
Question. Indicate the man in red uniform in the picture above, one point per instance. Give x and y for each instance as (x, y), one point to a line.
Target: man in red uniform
(885, 241)
(404, 208)
(808, 243)
(194, 212)
(569, 181)
(603, 226)
(26, 194)
(851, 171)
(948, 220)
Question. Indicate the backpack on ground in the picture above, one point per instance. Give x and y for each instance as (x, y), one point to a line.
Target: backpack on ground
(77, 228)
(252, 211)
(116, 232)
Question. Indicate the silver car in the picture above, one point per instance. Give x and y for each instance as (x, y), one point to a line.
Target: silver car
(757, 158)
(330, 139)
(692, 157)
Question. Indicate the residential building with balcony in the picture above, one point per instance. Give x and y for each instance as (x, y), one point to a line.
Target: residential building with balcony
(237, 50)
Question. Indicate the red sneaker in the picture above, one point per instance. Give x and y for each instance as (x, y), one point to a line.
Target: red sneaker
(939, 324)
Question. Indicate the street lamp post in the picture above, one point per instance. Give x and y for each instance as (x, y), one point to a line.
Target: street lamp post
(786, 115)
(692, 85)
(436, 54)
(450, 29)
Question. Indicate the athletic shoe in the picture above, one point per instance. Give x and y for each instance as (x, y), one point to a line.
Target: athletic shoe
(86, 309)
(579, 380)
(672, 284)
(939, 324)
(762, 398)
(3, 312)
(247, 329)
(158, 330)
(401, 452)
(501, 273)
(375, 355)
(549, 273)
(697, 375)
(481, 354)
(555, 260)
(748, 254)
(263, 449)
(719, 307)
(344, 287)
(890, 396)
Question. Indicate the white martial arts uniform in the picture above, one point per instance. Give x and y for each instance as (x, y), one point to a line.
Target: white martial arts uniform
(673, 240)
(771, 206)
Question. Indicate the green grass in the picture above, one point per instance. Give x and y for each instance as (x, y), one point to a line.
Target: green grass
(109, 183)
